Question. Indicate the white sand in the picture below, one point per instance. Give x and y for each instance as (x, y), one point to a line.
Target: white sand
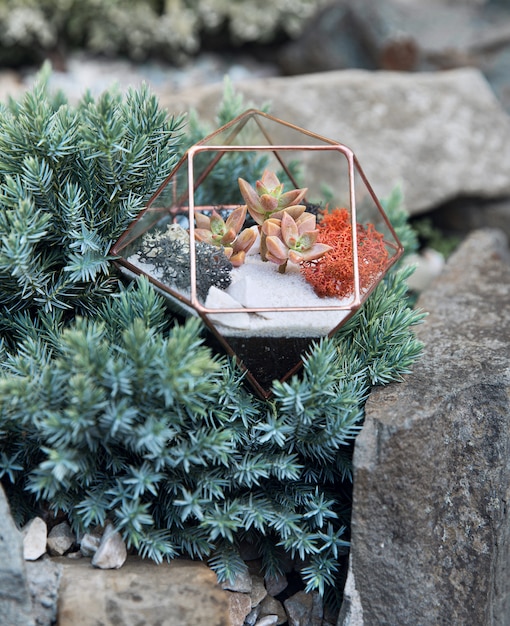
(258, 284)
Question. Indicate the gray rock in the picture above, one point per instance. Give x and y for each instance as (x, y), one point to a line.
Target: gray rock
(351, 612)
(272, 606)
(15, 603)
(495, 68)
(89, 544)
(428, 265)
(442, 35)
(77, 554)
(35, 535)
(258, 590)
(239, 607)
(60, 539)
(320, 48)
(253, 616)
(430, 526)
(241, 583)
(268, 620)
(112, 552)
(44, 579)
(276, 584)
(441, 135)
(299, 609)
(171, 594)
(304, 609)
(381, 28)
(404, 35)
(317, 609)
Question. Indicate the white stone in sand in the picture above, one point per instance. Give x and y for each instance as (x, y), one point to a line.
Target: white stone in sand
(259, 284)
(219, 299)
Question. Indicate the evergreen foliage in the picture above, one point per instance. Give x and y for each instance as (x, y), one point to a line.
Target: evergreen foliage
(127, 416)
(430, 236)
(113, 409)
(393, 206)
(71, 180)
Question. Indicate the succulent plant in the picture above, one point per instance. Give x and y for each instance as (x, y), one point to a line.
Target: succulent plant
(268, 200)
(294, 240)
(227, 234)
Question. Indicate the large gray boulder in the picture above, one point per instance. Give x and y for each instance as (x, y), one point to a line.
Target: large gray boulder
(441, 135)
(431, 527)
(15, 602)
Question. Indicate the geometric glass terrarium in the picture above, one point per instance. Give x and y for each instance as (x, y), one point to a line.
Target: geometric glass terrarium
(270, 233)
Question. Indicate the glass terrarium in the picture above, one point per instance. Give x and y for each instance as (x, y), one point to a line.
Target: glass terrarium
(271, 234)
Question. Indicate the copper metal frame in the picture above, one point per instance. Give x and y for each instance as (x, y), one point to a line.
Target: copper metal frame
(193, 303)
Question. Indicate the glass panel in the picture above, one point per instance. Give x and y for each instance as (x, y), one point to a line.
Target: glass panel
(263, 300)
(377, 245)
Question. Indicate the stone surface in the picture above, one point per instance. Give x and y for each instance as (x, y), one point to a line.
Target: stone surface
(271, 606)
(276, 584)
(430, 528)
(440, 135)
(60, 539)
(258, 590)
(268, 620)
(43, 578)
(428, 265)
(320, 48)
(242, 583)
(405, 35)
(397, 34)
(111, 553)
(299, 609)
(15, 603)
(35, 535)
(141, 593)
(89, 544)
(351, 612)
(253, 616)
(239, 607)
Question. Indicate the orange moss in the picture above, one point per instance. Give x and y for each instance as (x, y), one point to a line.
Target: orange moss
(333, 274)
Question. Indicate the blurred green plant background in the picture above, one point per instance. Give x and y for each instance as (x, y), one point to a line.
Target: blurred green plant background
(171, 30)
